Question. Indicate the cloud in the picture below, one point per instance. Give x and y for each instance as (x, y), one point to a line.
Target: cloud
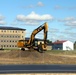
(34, 18)
(70, 35)
(40, 4)
(68, 32)
(2, 22)
(69, 18)
(1, 17)
(72, 23)
(69, 21)
(29, 6)
(53, 30)
(57, 7)
(65, 8)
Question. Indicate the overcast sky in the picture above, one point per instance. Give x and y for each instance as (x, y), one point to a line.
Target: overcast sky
(29, 14)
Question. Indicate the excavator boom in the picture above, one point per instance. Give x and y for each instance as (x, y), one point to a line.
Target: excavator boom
(23, 44)
(37, 30)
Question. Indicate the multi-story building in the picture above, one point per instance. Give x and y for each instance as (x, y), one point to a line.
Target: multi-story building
(9, 36)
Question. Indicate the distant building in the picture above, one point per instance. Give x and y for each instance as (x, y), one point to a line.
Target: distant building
(63, 45)
(9, 36)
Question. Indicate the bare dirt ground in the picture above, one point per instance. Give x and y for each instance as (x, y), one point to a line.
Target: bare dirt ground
(34, 57)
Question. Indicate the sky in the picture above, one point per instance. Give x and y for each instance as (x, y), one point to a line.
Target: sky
(30, 14)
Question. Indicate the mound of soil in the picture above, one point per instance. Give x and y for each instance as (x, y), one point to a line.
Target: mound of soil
(34, 57)
(19, 53)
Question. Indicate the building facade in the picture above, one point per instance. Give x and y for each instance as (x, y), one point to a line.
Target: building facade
(68, 45)
(9, 37)
(63, 45)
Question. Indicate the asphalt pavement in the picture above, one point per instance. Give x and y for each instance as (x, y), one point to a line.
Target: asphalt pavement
(53, 68)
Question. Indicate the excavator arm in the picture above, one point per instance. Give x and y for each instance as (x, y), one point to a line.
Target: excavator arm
(37, 30)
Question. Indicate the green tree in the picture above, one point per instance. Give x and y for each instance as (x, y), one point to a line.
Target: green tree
(49, 42)
(75, 45)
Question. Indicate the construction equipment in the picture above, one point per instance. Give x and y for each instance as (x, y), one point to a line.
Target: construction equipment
(31, 43)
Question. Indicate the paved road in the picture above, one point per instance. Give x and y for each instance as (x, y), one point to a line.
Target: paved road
(37, 68)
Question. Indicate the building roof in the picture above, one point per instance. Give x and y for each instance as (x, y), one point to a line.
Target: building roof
(10, 28)
(59, 42)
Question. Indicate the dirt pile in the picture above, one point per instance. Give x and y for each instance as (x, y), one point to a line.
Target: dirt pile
(19, 53)
(34, 57)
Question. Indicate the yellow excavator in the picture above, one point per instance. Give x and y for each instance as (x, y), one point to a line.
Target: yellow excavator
(31, 43)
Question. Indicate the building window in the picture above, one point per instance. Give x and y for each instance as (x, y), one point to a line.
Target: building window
(22, 36)
(15, 41)
(16, 31)
(15, 46)
(10, 45)
(1, 40)
(12, 41)
(1, 46)
(4, 40)
(1, 35)
(4, 45)
(1, 30)
(18, 36)
(10, 36)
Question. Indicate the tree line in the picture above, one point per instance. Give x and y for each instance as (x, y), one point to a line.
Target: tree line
(75, 45)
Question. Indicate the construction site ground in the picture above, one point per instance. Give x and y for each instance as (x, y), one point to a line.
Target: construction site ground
(34, 57)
